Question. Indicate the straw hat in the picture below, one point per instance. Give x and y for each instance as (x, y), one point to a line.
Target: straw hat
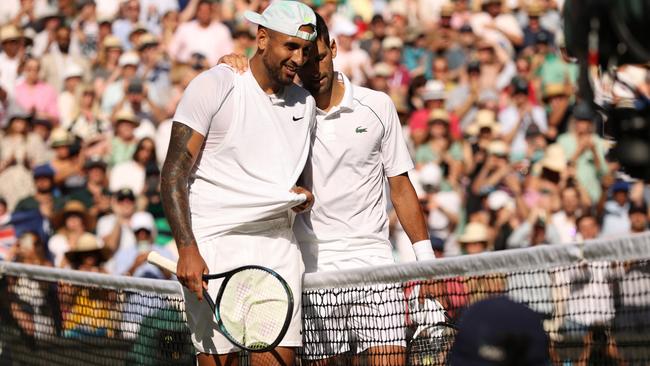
(485, 118)
(475, 232)
(9, 33)
(61, 137)
(72, 207)
(126, 115)
(87, 245)
(498, 148)
(439, 115)
(111, 41)
(146, 40)
(447, 10)
(554, 158)
(554, 90)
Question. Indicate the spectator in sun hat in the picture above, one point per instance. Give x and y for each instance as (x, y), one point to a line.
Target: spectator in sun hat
(20, 151)
(127, 71)
(129, 19)
(48, 21)
(205, 34)
(392, 55)
(154, 70)
(558, 108)
(381, 74)
(518, 117)
(70, 223)
(497, 26)
(65, 162)
(475, 239)
(87, 255)
(500, 332)
(68, 99)
(124, 142)
(133, 262)
(62, 53)
(148, 113)
(87, 123)
(534, 27)
(107, 62)
(350, 59)
(440, 147)
(585, 149)
(9, 58)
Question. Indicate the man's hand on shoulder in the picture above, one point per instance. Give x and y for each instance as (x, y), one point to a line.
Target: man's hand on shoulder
(307, 204)
(237, 62)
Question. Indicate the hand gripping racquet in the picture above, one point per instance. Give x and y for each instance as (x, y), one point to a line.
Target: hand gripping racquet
(253, 307)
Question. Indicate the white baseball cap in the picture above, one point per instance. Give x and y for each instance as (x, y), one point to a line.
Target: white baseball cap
(129, 59)
(72, 70)
(286, 16)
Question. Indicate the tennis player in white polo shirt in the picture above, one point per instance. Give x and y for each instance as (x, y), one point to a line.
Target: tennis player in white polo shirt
(357, 147)
(239, 143)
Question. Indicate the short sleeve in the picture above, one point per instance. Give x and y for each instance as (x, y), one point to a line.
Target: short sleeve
(203, 98)
(394, 152)
(105, 225)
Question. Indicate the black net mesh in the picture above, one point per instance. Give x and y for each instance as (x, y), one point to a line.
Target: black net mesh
(595, 313)
(58, 323)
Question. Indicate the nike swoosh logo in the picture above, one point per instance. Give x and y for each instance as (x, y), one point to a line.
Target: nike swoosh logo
(297, 118)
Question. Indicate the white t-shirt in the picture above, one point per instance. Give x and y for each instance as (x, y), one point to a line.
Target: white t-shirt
(357, 145)
(509, 118)
(127, 238)
(212, 42)
(128, 174)
(245, 175)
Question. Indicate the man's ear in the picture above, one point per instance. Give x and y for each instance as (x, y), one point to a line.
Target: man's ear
(333, 48)
(263, 38)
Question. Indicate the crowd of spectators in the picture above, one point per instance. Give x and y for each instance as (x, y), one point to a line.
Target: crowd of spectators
(506, 155)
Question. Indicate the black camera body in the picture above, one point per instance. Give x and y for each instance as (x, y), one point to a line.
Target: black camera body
(611, 33)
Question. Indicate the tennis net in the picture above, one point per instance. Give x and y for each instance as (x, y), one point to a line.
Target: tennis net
(594, 297)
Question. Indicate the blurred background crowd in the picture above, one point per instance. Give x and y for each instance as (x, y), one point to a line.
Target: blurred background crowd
(506, 155)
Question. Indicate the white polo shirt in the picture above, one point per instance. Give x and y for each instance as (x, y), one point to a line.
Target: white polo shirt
(256, 146)
(357, 145)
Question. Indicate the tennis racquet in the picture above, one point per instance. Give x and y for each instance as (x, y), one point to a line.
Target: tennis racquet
(430, 344)
(253, 307)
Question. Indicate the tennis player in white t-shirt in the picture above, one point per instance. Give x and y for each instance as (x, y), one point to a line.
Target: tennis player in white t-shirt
(239, 142)
(357, 147)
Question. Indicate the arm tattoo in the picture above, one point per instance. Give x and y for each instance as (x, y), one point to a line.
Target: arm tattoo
(174, 185)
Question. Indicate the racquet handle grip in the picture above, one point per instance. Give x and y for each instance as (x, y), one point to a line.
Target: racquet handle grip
(162, 262)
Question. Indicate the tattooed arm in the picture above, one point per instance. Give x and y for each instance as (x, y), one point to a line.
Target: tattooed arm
(184, 147)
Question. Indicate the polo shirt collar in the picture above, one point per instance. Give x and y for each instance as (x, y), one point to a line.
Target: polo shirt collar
(347, 103)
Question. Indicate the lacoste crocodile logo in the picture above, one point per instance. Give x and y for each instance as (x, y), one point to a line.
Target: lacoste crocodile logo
(361, 130)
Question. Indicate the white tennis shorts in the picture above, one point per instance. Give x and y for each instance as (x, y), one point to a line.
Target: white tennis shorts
(270, 244)
(355, 319)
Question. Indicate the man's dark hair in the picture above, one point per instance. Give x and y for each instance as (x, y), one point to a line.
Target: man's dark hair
(321, 29)
(588, 215)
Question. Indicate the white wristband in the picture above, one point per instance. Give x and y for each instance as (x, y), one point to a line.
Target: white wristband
(423, 250)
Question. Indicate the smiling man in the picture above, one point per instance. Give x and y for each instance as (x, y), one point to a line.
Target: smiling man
(238, 144)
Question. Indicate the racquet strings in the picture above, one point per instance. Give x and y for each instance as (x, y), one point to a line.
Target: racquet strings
(254, 308)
